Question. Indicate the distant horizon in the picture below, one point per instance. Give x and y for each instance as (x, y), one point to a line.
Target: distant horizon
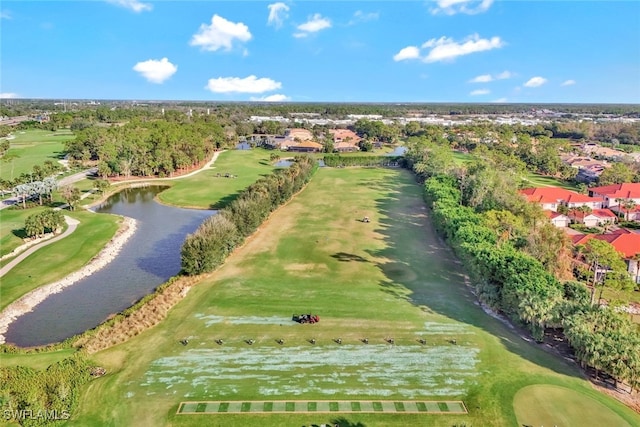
(272, 103)
(432, 51)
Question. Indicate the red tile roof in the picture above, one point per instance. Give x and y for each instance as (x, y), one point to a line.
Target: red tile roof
(626, 243)
(556, 195)
(603, 213)
(625, 190)
(552, 214)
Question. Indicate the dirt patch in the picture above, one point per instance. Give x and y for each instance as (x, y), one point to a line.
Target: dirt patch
(301, 268)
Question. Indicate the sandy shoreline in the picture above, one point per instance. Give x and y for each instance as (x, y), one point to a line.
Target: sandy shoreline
(27, 302)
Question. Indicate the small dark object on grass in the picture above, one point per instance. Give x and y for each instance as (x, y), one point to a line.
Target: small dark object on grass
(312, 340)
(365, 340)
(219, 342)
(422, 341)
(280, 341)
(338, 340)
(453, 341)
(184, 341)
(390, 340)
(250, 342)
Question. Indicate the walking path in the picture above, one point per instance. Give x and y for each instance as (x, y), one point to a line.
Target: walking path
(204, 167)
(71, 222)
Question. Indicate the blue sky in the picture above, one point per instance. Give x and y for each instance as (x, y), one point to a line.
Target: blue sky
(322, 51)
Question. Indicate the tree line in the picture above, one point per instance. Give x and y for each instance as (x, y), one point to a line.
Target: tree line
(207, 248)
(521, 267)
(147, 148)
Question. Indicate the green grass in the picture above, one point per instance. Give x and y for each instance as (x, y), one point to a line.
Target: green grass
(40, 360)
(537, 180)
(552, 405)
(61, 258)
(389, 278)
(12, 227)
(33, 147)
(461, 158)
(205, 190)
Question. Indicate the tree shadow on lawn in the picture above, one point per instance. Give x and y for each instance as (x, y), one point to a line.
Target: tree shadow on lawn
(424, 271)
(347, 257)
(60, 155)
(225, 201)
(19, 233)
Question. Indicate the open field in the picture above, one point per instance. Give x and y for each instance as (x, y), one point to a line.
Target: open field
(540, 405)
(33, 147)
(205, 190)
(390, 281)
(536, 180)
(61, 258)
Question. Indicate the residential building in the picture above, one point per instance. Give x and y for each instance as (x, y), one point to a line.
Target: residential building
(595, 218)
(550, 198)
(306, 147)
(625, 242)
(298, 133)
(617, 194)
(557, 219)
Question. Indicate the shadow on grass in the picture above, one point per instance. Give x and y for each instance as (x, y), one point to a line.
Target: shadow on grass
(423, 270)
(346, 257)
(20, 233)
(225, 201)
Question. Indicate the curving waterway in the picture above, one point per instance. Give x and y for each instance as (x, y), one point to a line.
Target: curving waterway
(149, 258)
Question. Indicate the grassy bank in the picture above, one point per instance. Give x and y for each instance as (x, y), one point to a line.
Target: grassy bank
(33, 147)
(61, 258)
(207, 190)
(388, 279)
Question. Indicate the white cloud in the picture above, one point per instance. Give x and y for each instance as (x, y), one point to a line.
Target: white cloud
(271, 98)
(484, 78)
(500, 100)
(277, 14)
(470, 7)
(220, 34)
(5, 14)
(8, 95)
(135, 5)
(250, 84)
(313, 25)
(568, 83)
(360, 16)
(409, 52)
(535, 81)
(156, 71)
(445, 49)
(480, 92)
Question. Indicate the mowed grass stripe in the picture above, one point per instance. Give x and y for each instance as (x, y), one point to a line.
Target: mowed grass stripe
(360, 406)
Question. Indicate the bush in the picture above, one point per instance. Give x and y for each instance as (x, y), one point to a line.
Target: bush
(213, 241)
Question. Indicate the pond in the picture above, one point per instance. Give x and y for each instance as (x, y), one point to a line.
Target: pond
(398, 151)
(148, 259)
(284, 163)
